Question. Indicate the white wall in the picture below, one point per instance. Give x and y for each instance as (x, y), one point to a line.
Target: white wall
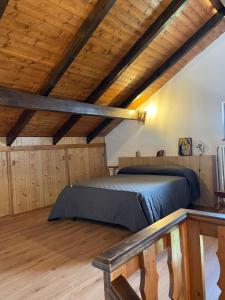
(188, 105)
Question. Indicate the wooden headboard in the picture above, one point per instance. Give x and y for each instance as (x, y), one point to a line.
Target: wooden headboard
(204, 166)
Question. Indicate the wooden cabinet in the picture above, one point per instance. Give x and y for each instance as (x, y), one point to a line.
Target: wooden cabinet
(33, 178)
(78, 164)
(27, 180)
(4, 186)
(55, 175)
(97, 162)
(86, 163)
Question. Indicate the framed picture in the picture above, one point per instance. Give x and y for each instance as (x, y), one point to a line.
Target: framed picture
(185, 146)
(160, 153)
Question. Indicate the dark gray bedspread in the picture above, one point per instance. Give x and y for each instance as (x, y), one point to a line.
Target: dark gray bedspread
(130, 200)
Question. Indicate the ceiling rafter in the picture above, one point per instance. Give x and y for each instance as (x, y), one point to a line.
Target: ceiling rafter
(153, 30)
(34, 102)
(172, 60)
(217, 4)
(81, 37)
(223, 2)
(3, 5)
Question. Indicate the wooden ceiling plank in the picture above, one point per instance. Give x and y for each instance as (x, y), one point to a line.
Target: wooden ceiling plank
(34, 102)
(3, 5)
(81, 37)
(153, 30)
(171, 61)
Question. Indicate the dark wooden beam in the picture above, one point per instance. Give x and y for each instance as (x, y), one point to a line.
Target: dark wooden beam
(81, 37)
(152, 31)
(3, 5)
(20, 124)
(33, 102)
(85, 31)
(223, 2)
(217, 4)
(98, 130)
(171, 61)
(61, 132)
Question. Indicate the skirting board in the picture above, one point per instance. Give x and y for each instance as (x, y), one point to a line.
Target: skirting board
(204, 166)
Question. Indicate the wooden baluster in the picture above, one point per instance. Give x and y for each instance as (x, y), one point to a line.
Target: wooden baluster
(195, 258)
(175, 266)
(185, 261)
(221, 257)
(107, 285)
(121, 290)
(149, 275)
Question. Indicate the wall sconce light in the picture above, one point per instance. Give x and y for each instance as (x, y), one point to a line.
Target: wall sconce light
(141, 117)
(151, 109)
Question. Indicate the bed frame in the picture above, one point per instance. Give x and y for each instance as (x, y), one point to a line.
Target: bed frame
(204, 166)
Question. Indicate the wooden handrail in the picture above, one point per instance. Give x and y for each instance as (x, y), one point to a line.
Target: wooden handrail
(182, 232)
(128, 248)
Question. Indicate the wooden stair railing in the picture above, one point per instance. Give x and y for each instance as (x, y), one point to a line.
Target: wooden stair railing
(181, 234)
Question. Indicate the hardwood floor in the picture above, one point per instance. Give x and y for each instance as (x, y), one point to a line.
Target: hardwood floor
(42, 260)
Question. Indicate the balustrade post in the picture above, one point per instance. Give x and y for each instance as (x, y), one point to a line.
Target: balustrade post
(221, 258)
(149, 275)
(195, 260)
(175, 265)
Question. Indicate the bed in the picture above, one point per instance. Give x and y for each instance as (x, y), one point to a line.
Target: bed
(134, 198)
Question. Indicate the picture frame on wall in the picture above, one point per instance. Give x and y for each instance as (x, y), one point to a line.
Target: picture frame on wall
(185, 146)
(160, 153)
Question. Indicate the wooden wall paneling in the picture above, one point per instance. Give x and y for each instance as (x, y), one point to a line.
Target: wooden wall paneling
(19, 188)
(9, 173)
(67, 164)
(55, 174)
(207, 177)
(27, 180)
(4, 186)
(185, 161)
(97, 162)
(32, 176)
(78, 164)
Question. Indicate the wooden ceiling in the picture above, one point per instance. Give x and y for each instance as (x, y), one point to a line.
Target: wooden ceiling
(34, 37)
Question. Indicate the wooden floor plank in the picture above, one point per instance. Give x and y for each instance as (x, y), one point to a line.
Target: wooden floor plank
(52, 260)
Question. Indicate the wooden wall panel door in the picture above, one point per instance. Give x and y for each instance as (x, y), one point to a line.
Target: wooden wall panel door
(207, 177)
(55, 174)
(4, 186)
(27, 180)
(97, 162)
(78, 164)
